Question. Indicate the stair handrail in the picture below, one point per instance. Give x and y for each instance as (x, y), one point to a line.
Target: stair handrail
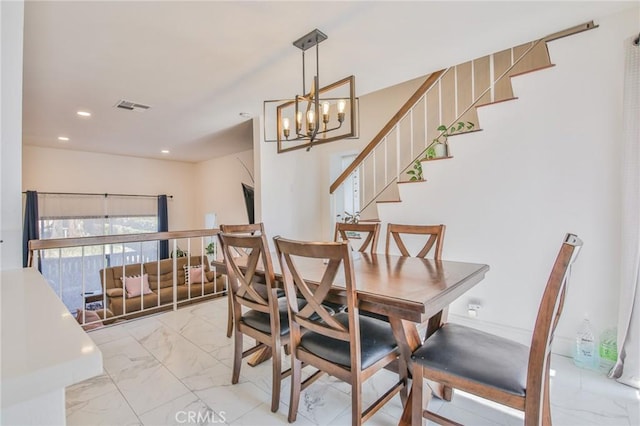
(406, 107)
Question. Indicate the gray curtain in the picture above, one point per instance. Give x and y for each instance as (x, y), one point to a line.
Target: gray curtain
(163, 225)
(30, 230)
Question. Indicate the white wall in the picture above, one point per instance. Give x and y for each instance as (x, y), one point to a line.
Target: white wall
(545, 164)
(222, 191)
(11, 22)
(294, 186)
(63, 170)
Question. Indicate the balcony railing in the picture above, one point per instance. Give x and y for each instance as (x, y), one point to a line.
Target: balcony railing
(87, 273)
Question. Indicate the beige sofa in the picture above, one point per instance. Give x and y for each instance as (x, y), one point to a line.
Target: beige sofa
(160, 275)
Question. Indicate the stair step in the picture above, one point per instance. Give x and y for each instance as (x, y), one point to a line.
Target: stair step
(413, 181)
(388, 201)
(532, 70)
(497, 102)
(369, 213)
(424, 160)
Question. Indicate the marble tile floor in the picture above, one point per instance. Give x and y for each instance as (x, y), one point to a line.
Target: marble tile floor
(174, 368)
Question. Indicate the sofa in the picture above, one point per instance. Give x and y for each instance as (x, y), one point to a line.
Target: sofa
(149, 285)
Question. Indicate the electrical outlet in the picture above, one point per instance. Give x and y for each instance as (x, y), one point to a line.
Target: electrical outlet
(473, 309)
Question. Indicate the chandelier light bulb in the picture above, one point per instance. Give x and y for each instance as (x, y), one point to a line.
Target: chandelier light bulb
(285, 127)
(342, 104)
(298, 121)
(311, 120)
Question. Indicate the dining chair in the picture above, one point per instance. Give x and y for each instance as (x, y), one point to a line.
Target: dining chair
(347, 346)
(371, 231)
(257, 310)
(245, 229)
(435, 238)
(493, 367)
(370, 242)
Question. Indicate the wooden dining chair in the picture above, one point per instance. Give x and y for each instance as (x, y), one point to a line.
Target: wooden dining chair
(435, 239)
(245, 229)
(493, 367)
(347, 346)
(370, 240)
(257, 310)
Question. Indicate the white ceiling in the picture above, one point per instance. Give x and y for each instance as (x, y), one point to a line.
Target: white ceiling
(200, 64)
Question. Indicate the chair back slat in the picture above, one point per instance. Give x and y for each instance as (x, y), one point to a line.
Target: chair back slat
(435, 239)
(242, 229)
(370, 241)
(547, 319)
(315, 316)
(245, 228)
(242, 275)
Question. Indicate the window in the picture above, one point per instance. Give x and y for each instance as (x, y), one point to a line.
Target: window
(74, 271)
(351, 188)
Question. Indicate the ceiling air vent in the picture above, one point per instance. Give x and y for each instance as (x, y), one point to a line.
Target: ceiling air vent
(132, 106)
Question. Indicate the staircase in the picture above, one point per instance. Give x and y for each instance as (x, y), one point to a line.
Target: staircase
(445, 98)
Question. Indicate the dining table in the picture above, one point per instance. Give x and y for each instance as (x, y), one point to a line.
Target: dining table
(414, 293)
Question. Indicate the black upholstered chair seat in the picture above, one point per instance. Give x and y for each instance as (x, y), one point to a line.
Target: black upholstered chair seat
(261, 320)
(336, 307)
(261, 289)
(376, 337)
(476, 356)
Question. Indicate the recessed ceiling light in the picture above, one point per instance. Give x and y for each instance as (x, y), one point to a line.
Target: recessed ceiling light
(63, 139)
(83, 114)
(165, 151)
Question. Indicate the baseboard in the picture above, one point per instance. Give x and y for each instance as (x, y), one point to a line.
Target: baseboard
(562, 345)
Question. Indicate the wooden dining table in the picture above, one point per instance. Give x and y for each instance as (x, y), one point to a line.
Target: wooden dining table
(412, 292)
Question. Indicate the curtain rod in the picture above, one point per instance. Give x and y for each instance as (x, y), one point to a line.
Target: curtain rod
(103, 194)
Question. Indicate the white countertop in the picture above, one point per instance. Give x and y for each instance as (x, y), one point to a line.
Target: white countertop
(43, 347)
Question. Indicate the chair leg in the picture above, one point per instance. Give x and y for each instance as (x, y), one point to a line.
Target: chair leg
(296, 383)
(237, 356)
(230, 309)
(546, 407)
(276, 379)
(356, 401)
(417, 395)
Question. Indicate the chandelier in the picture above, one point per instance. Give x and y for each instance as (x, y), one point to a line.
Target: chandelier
(320, 114)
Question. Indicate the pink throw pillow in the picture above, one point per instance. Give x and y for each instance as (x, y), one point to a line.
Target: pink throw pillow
(89, 317)
(136, 285)
(195, 275)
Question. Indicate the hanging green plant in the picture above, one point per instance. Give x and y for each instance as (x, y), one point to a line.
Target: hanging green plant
(416, 171)
(440, 142)
(438, 147)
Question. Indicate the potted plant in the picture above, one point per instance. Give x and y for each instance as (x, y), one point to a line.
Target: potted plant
(180, 253)
(210, 250)
(438, 148)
